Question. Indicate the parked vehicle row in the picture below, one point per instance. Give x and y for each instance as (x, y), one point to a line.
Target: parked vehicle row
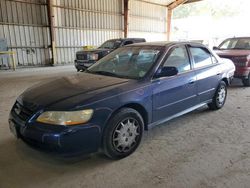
(125, 93)
(237, 50)
(86, 58)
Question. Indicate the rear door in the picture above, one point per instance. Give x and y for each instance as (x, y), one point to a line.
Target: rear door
(207, 71)
(172, 95)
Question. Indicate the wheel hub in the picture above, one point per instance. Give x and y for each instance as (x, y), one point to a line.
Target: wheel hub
(125, 134)
(221, 95)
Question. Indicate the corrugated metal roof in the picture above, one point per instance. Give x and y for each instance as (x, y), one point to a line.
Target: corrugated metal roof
(165, 2)
(159, 2)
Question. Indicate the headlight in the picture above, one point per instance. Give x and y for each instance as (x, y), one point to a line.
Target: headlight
(65, 118)
(93, 57)
(248, 58)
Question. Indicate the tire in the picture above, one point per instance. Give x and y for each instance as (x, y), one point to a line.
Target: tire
(123, 133)
(219, 98)
(246, 82)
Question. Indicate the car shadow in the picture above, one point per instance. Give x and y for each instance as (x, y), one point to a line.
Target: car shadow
(17, 156)
(236, 84)
(31, 167)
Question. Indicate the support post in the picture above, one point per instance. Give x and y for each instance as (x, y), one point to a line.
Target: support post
(51, 21)
(169, 19)
(125, 5)
(170, 8)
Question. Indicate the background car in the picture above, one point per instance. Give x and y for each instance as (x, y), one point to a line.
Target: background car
(237, 50)
(132, 89)
(86, 58)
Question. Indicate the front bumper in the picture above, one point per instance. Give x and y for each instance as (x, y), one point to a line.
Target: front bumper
(66, 141)
(83, 64)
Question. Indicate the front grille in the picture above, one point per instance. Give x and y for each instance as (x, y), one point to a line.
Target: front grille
(21, 112)
(240, 61)
(82, 57)
(227, 57)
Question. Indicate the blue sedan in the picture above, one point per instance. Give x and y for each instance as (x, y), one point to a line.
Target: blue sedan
(113, 102)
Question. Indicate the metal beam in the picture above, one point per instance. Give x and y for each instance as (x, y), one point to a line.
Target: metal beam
(21, 24)
(125, 5)
(176, 4)
(86, 10)
(51, 20)
(152, 3)
(87, 28)
(27, 2)
(192, 1)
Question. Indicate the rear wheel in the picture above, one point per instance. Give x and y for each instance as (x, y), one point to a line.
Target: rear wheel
(246, 82)
(123, 133)
(219, 98)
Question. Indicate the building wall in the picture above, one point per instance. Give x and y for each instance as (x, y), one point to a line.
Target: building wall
(147, 20)
(25, 26)
(89, 22)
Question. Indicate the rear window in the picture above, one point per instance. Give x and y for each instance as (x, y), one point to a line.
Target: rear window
(201, 57)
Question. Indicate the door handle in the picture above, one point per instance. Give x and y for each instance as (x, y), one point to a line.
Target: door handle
(191, 82)
(218, 73)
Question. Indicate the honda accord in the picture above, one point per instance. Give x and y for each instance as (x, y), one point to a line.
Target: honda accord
(111, 104)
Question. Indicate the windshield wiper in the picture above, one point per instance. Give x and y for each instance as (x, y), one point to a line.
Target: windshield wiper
(111, 74)
(104, 73)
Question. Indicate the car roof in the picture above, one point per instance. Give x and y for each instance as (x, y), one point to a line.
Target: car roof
(238, 38)
(122, 39)
(167, 44)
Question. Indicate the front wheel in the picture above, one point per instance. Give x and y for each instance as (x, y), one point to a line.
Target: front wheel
(246, 82)
(219, 98)
(123, 133)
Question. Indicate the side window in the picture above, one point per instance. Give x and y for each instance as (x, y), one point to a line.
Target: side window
(201, 57)
(178, 58)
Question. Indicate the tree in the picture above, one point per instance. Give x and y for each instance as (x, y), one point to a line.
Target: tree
(216, 8)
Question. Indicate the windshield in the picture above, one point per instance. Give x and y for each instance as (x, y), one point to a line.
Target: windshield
(111, 44)
(236, 43)
(132, 62)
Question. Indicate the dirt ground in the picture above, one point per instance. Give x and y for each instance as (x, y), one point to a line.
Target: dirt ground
(201, 149)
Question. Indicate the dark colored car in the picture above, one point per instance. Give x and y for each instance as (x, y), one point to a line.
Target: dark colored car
(132, 89)
(86, 58)
(237, 50)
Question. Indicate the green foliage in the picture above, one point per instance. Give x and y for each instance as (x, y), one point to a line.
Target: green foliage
(215, 8)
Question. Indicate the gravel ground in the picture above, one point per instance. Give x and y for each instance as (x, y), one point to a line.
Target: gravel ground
(201, 149)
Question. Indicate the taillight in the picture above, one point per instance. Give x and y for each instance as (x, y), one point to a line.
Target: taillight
(248, 61)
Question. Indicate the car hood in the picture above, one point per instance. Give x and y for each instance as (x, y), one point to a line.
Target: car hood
(46, 94)
(232, 53)
(98, 50)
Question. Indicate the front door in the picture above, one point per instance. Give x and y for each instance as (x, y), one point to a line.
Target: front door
(172, 95)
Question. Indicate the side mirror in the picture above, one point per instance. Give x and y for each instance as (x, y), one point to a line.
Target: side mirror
(215, 48)
(166, 72)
